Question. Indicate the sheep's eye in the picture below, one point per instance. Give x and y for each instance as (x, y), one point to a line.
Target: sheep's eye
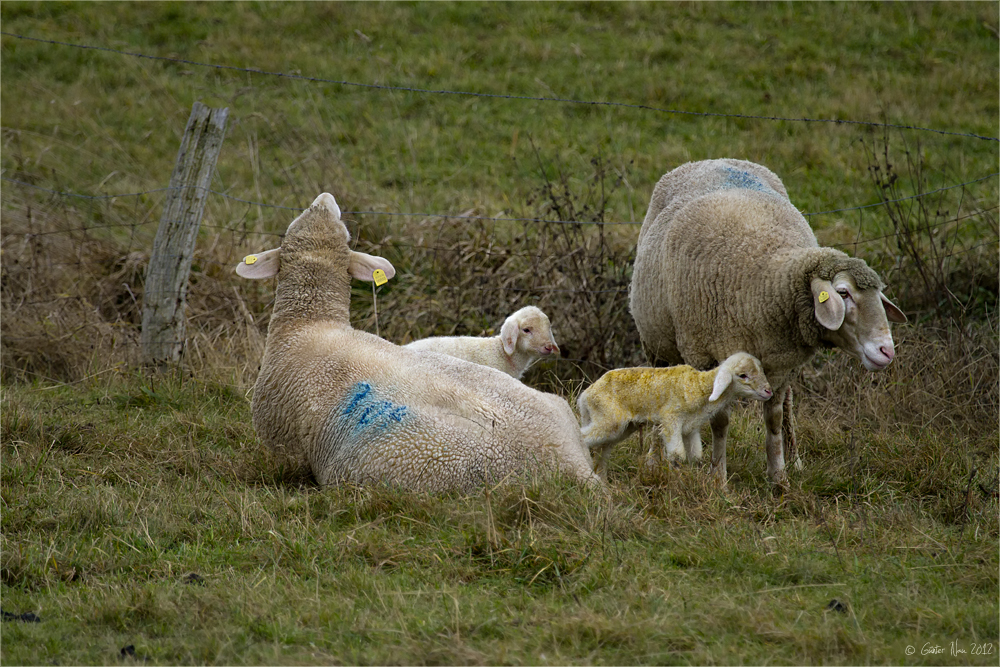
(844, 294)
(744, 376)
(526, 330)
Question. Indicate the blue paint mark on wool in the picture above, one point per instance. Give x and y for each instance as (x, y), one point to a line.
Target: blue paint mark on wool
(736, 178)
(365, 410)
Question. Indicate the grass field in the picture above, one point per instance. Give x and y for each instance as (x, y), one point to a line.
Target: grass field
(141, 521)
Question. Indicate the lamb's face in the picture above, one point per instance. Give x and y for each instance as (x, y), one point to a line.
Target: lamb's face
(857, 320)
(319, 227)
(748, 377)
(529, 330)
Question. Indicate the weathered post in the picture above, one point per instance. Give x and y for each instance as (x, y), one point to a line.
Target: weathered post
(165, 293)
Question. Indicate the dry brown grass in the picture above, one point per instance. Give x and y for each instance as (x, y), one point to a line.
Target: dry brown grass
(72, 299)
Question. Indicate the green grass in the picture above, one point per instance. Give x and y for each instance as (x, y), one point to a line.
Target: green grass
(141, 510)
(108, 512)
(102, 118)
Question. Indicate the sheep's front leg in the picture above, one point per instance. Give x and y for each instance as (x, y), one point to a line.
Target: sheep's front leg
(772, 439)
(720, 426)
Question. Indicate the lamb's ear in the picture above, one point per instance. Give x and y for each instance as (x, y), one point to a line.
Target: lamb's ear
(508, 335)
(892, 313)
(828, 305)
(722, 380)
(260, 266)
(363, 267)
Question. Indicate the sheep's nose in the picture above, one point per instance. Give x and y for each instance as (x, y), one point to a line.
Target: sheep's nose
(550, 348)
(768, 392)
(888, 351)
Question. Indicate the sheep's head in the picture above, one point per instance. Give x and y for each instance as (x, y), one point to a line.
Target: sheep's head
(855, 316)
(745, 374)
(318, 235)
(528, 330)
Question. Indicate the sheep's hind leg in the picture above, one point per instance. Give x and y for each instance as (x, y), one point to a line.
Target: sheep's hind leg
(791, 445)
(773, 441)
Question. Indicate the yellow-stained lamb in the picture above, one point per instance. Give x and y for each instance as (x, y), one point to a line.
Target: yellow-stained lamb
(679, 399)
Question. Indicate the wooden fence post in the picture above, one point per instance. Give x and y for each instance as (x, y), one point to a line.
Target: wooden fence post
(165, 293)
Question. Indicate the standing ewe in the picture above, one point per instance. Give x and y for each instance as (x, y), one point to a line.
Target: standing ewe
(679, 399)
(725, 263)
(353, 407)
(525, 337)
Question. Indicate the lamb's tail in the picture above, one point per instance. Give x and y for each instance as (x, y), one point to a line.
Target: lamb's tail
(581, 404)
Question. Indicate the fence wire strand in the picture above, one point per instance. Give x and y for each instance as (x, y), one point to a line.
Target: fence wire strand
(529, 98)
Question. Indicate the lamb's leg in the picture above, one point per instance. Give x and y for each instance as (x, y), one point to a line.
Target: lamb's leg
(720, 426)
(772, 439)
(692, 445)
(673, 439)
(657, 450)
(600, 456)
(599, 436)
(788, 433)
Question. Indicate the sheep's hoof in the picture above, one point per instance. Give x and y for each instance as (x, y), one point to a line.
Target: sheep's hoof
(798, 465)
(780, 484)
(717, 475)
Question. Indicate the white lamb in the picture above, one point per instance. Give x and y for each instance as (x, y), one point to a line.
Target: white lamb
(525, 337)
(353, 407)
(679, 399)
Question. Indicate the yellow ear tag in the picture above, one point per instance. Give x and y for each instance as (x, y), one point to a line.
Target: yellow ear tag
(379, 277)
(250, 259)
(823, 296)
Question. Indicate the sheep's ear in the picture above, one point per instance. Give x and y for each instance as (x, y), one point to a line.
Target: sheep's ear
(828, 305)
(893, 313)
(722, 380)
(260, 266)
(508, 335)
(363, 267)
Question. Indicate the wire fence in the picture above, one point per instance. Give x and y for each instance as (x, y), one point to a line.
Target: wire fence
(74, 262)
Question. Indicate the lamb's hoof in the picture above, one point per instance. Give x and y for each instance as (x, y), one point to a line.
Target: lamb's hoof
(798, 465)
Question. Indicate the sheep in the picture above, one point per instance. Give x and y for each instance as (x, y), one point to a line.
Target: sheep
(525, 337)
(351, 407)
(678, 399)
(726, 263)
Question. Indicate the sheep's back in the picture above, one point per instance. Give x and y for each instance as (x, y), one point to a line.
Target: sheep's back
(702, 280)
(382, 413)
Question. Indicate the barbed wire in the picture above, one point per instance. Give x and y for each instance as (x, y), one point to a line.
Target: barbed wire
(894, 201)
(373, 86)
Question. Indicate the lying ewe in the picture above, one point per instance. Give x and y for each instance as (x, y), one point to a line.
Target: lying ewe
(353, 407)
(726, 263)
(679, 399)
(525, 337)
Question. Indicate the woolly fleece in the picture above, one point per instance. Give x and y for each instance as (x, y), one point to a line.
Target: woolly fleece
(356, 408)
(525, 337)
